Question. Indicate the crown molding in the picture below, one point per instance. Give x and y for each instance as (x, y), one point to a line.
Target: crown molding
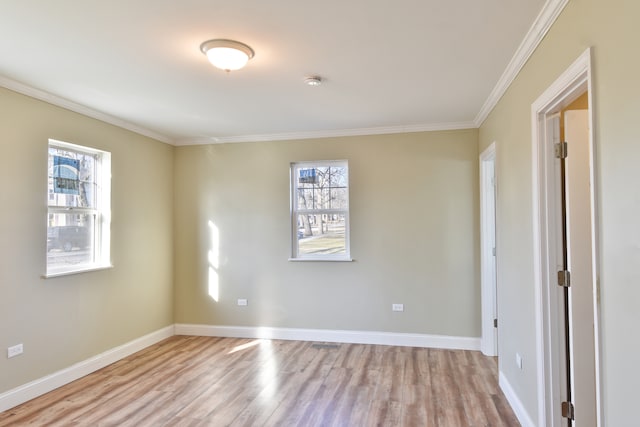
(327, 133)
(58, 101)
(543, 22)
(545, 19)
(90, 112)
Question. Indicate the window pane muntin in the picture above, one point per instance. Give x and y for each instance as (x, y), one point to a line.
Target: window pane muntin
(319, 194)
(306, 198)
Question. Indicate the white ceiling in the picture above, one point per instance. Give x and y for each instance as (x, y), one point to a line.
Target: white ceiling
(406, 65)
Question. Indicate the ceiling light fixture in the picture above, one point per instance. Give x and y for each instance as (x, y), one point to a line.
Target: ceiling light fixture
(226, 54)
(313, 80)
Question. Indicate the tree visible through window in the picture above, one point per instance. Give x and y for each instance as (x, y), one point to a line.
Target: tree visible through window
(320, 210)
(78, 208)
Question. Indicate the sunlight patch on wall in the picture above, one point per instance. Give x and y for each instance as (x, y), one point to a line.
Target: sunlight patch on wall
(213, 257)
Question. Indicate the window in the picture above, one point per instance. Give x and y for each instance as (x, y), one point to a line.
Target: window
(79, 209)
(320, 211)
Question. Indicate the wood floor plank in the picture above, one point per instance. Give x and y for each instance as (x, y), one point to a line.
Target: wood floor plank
(211, 382)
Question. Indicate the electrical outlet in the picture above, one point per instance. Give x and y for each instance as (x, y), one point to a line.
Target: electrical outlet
(397, 307)
(242, 301)
(14, 351)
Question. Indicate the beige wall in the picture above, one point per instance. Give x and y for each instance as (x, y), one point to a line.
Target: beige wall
(611, 28)
(68, 319)
(414, 236)
(581, 103)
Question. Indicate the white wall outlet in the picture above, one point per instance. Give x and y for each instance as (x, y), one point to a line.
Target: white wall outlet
(518, 361)
(397, 307)
(14, 351)
(242, 301)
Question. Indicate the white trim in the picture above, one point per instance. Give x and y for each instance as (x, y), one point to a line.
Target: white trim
(597, 329)
(50, 382)
(545, 19)
(79, 108)
(570, 84)
(90, 112)
(547, 16)
(516, 404)
(487, 246)
(38, 387)
(324, 335)
(79, 271)
(327, 133)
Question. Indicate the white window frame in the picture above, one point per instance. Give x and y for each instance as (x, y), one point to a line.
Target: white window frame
(102, 211)
(294, 211)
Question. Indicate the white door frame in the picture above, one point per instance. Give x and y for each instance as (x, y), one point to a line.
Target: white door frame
(572, 83)
(489, 340)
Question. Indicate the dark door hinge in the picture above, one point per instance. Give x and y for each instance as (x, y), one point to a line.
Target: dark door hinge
(495, 323)
(561, 149)
(568, 410)
(564, 278)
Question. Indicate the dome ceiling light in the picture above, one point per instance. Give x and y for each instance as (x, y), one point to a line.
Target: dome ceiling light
(228, 55)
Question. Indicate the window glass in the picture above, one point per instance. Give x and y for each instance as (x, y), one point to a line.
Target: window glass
(321, 234)
(78, 208)
(320, 210)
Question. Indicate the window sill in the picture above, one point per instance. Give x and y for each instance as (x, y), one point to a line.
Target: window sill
(79, 271)
(321, 259)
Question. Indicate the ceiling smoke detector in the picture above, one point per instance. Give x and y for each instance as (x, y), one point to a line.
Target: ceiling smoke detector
(313, 80)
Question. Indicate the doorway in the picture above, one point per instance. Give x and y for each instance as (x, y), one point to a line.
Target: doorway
(489, 340)
(565, 241)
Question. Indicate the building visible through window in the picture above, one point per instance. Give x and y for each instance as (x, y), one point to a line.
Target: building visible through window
(78, 217)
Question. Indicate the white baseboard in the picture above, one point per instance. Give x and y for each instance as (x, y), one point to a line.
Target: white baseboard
(323, 335)
(515, 402)
(44, 385)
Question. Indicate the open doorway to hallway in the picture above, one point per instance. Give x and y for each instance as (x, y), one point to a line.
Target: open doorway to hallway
(566, 257)
(489, 340)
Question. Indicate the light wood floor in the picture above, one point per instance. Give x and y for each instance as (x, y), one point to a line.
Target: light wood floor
(204, 381)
